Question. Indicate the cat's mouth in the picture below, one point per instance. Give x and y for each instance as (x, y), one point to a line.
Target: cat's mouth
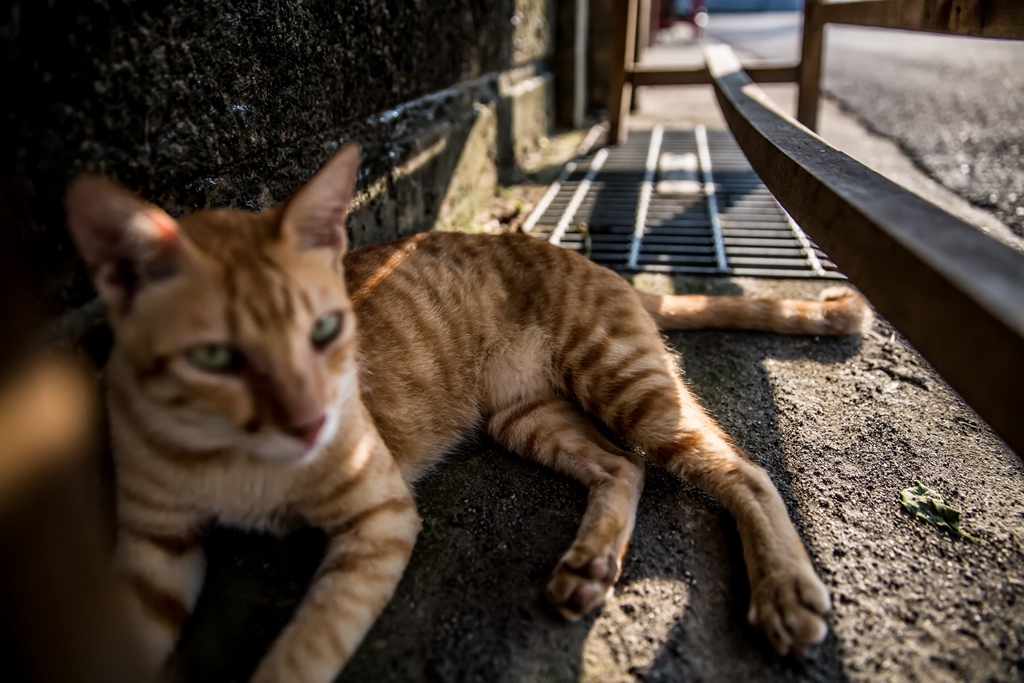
(298, 448)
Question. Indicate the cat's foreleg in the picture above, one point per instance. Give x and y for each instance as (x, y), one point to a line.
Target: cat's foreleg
(372, 524)
(554, 432)
(160, 562)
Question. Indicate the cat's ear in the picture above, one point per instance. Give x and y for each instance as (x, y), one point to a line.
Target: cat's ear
(314, 217)
(126, 242)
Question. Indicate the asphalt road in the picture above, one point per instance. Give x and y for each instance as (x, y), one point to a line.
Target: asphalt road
(954, 105)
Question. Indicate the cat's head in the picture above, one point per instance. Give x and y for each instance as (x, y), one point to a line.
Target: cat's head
(234, 327)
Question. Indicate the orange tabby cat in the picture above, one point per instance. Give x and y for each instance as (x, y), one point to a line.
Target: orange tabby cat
(261, 372)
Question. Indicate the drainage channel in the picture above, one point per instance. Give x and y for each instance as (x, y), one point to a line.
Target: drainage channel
(677, 201)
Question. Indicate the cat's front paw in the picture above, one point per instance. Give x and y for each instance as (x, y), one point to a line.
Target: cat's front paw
(582, 581)
(791, 606)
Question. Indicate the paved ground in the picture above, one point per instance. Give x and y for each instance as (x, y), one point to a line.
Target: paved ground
(955, 105)
(842, 426)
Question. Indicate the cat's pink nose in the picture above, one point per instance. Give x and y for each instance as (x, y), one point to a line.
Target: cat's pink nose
(307, 433)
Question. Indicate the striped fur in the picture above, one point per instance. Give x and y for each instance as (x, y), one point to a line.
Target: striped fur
(456, 333)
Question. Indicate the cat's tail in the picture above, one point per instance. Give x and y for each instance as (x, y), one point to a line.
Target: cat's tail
(839, 311)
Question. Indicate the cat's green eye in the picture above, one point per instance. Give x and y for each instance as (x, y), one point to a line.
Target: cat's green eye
(325, 330)
(214, 357)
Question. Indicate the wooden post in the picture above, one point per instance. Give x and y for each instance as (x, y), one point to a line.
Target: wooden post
(621, 89)
(809, 71)
(643, 40)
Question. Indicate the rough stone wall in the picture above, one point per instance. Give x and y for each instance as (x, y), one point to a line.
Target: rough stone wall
(203, 103)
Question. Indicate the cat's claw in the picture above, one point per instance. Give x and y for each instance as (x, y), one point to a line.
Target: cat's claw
(791, 608)
(579, 586)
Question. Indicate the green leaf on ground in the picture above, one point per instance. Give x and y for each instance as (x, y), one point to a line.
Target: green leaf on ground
(926, 504)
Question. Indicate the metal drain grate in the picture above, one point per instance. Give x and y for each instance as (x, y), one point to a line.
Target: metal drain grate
(676, 201)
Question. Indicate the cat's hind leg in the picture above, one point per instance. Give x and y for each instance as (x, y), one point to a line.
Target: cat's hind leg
(788, 601)
(553, 432)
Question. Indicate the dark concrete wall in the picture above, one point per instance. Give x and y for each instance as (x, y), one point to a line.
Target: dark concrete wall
(599, 54)
(201, 103)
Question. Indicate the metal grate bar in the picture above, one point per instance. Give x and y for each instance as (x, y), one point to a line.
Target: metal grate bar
(708, 181)
(589, 141)
(577, 198)
(805, 244)
(644, 203)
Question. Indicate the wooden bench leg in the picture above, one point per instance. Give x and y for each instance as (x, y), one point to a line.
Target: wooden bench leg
(620, 92)
(809, 71)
